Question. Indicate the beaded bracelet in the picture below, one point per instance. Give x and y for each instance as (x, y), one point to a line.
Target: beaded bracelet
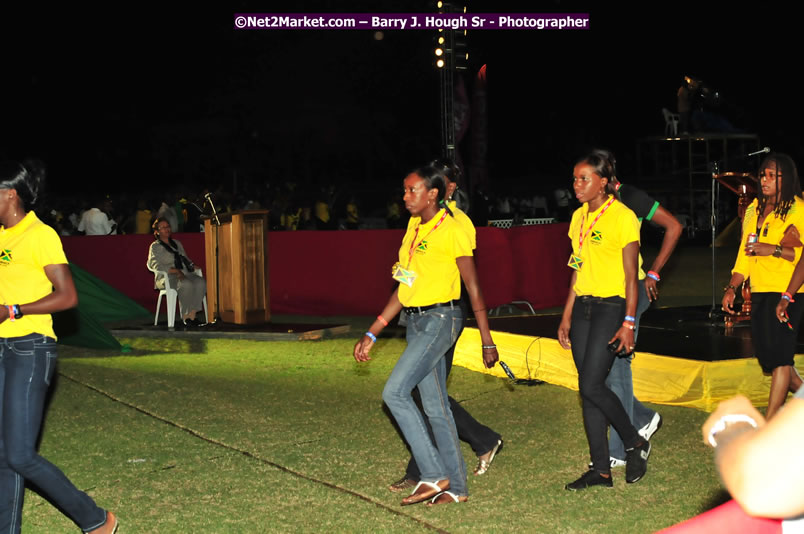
(381, 319)
(787, 296)
(654, 275)
(371, 336)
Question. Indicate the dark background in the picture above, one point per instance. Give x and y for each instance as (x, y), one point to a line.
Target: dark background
(119, 99)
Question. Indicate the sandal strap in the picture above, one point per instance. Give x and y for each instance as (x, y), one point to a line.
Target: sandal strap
(455, 498)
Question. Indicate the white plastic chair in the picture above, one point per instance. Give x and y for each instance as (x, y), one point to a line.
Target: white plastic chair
(172, 297)
(671, 121)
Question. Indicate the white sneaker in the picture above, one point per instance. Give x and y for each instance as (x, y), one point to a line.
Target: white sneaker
(613, 462)
(650, 429)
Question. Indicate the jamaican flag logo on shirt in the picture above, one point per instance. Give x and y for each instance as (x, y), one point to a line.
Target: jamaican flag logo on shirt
(422, 248)
(597, 236)
(5, 256)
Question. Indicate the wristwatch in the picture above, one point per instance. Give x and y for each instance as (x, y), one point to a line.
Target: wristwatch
(778, 252)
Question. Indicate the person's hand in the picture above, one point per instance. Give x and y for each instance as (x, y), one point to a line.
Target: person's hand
(563, 334)
(362, 348)
(728, 301)
(652, 288)
(733, 406)
(625, 337)
(490, 357)
(759, 249)
(781, 310)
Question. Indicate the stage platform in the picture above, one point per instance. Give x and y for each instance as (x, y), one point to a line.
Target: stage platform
(682, 357)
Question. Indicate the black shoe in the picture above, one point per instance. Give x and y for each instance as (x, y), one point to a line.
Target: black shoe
(589, 479)
(636, 462)
(189, 323)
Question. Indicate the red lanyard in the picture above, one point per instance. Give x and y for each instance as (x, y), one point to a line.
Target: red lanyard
(413, 244)
(581, 235)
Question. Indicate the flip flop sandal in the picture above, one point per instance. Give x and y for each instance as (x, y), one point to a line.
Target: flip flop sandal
(430, 490)
(446, 497)
(483, 465)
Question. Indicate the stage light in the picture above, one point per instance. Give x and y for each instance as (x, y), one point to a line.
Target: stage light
(441, 39)
(439, 52)
(440, 63)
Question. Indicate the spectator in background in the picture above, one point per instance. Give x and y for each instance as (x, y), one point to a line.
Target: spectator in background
(95, 221)
(142, 219)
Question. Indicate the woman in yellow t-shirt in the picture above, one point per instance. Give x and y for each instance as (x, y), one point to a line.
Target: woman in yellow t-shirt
(35, 281)
(768, 265)
(434, 256)
(598, 319)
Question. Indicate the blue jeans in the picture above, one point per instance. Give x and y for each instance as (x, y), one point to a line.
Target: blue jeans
(594, 322)
(621, 383)
(27, 365)
(429, 335)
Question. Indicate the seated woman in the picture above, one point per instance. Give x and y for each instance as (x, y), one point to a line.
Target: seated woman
(168, 255)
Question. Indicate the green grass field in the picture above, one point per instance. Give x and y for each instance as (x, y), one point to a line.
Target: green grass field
(246, 436)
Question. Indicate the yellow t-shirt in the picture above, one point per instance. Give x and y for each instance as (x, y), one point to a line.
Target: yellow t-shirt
(602, 273)
(766, 273)
(460, 217)
(25, 249)
(435, 250)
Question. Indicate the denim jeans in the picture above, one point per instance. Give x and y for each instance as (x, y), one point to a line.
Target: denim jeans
(27, 365)
(480, 437)
(594, 322)
(429, 335)
(621, 383)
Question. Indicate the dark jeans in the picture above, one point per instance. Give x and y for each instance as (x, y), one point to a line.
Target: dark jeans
(594, 322)
(480, 437)
(26, 366)
(621, 382)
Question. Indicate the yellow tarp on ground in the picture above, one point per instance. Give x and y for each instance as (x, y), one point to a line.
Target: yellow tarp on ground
(658, 379)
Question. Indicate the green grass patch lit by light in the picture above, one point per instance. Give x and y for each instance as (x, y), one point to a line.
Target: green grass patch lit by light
(309, 407)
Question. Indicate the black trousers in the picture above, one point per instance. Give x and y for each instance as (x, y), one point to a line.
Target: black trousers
(480, 437)
(595, 320)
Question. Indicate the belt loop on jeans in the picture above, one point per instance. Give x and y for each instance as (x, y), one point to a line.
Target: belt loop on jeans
(419, 310)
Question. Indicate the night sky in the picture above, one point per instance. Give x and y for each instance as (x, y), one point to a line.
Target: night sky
(125, 99)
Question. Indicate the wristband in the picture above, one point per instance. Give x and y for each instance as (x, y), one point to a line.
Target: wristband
(371, 336)
(489, 347)
(17, 311)
(381, 319)
(727, 420)
(654, 275)
(630, 319)
(730, 287)
(10, 313)
(628, 325)
(787, 296)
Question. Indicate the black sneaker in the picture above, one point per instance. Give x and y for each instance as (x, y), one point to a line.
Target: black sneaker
(636, 462)
(589, 479)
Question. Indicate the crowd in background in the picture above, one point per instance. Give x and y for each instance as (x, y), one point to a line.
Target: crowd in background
(290, 207)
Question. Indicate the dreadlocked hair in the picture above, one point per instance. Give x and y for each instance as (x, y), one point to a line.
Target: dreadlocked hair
(790, 186)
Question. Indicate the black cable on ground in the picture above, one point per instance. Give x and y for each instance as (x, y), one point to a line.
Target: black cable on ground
(248, 454)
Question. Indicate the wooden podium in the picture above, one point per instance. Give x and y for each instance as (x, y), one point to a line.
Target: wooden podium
(237, 284)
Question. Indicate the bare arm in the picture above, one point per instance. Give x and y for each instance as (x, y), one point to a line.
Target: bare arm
(63, 296)
(730, 294)
(566, 317)
(630, 266)
(762, 468)
(672, 233)
(391, 310)
(466, 266)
